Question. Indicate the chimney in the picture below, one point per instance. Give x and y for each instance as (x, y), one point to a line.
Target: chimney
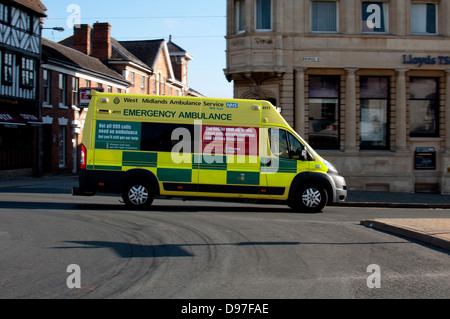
(101, 41)
(82, 38)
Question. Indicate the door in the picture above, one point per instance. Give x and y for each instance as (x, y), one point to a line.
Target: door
(286, 158)
(229, 164)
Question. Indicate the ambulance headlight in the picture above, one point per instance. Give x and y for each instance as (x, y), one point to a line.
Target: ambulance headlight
(331, 167)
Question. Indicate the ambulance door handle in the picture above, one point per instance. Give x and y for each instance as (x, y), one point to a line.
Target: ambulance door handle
(102, 111)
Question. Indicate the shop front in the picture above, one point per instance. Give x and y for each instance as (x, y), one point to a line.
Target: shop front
(19, 131)
(382, 121)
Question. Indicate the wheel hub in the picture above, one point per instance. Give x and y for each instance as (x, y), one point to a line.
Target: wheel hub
(138, 194)
(311, 197)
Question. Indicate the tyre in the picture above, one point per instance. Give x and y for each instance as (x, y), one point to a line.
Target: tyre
(138, 195)
(309, 199)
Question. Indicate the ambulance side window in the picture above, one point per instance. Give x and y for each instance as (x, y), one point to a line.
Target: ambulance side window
(157, 137)
(284, 145)
(278, 143)
(295, 147)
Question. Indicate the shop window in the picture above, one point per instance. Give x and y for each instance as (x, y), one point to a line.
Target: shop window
(424, 107)
(324, 112)
(324, 16)
(240, 15)
(424, 18)
(374, 104)
(263, 15)
(374, 17)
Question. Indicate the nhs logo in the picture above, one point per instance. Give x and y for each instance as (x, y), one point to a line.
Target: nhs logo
(232, 105)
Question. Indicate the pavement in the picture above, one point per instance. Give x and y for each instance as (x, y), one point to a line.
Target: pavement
(432, 231)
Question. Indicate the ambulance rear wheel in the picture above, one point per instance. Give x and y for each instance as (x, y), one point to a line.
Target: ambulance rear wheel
(309, 199)
(138, 195)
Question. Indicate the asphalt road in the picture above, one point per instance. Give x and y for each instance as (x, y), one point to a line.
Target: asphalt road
(195, 249)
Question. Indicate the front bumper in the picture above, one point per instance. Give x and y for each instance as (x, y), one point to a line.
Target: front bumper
(340, 188)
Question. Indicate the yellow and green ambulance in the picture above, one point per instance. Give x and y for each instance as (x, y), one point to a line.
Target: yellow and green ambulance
(147, 146)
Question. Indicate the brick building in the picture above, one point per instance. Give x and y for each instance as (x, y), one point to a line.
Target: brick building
(91, 58)
(366, 83)
(64, 72)
(153, 67)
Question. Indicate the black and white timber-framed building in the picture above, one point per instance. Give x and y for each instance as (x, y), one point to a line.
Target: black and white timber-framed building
(20, 55)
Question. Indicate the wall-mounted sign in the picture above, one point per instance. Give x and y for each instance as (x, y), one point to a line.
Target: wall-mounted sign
(428, 60)
(311, 59)
(85, 95)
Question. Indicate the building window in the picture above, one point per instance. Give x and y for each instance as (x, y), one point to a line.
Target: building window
(46, 93)
(109, 89)
(324, 112)
(4, 13)
(27, 72)
(142, 82)
(240, 15)
(27, 22)
(62, 146)
(8, 64)
(263, 15)
(157, 83)
(374, 102)
(374, 17)
(132, 78)
(324, 16)
(62, 90)
(75, 95)
(87, 83)
(424, 18)
(424, 107)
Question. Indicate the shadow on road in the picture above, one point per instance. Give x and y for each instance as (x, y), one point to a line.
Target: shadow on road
(189, 208)
(131, 250)
(35, 190)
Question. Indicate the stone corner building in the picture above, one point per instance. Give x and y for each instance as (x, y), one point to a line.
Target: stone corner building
(366, 83)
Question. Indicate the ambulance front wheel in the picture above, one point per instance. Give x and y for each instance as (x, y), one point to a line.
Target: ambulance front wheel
(309, 199)
(138, 195)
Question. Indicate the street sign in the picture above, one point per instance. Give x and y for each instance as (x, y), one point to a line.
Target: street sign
(85, 95)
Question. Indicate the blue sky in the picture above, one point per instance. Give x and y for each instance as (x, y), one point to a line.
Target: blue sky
(197, 26)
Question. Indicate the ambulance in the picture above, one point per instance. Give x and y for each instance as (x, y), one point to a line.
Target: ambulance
(142, 147)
